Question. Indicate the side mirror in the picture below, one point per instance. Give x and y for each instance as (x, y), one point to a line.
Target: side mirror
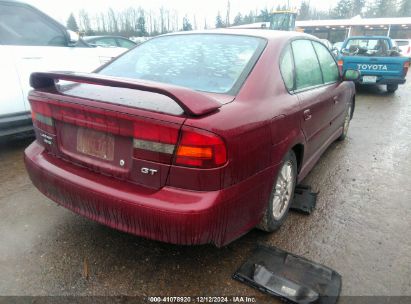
(334, 51)
(73, 37)
(351, 75)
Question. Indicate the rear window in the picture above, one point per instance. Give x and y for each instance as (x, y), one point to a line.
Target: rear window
(216, 63)
(367, 47)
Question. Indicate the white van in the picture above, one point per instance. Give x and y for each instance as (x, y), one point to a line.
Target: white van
(32, 41)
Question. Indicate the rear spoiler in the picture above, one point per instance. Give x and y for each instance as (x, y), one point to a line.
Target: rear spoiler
(192, 102)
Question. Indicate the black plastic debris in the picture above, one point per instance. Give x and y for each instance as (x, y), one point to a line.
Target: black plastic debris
(290, 277)
(304, 199)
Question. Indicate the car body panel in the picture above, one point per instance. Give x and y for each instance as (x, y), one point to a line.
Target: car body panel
(187, 205)
(18, 61)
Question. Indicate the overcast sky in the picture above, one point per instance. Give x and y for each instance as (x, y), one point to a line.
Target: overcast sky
(60, 10)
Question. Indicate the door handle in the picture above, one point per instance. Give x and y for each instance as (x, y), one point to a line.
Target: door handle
(307, 114)
(335, 98)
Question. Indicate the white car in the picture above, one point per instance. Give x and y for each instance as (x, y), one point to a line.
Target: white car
(405, 46)
(32, 41)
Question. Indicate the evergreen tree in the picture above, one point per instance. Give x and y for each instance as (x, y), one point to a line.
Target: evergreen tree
(343, 10)
(219, 21)
(186, 24)
(265, 15)
(238, 19)
(304, 11)
(357, 7)
(382, 8)
(72, 23)
(141, 25)
(405, 8)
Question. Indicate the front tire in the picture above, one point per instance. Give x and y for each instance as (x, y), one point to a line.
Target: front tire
(281, 196)
(391, 88)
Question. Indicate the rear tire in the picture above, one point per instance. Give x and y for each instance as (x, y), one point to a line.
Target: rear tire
(281, 196)
(391, 88)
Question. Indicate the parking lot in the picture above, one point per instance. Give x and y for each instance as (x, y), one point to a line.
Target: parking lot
(360, 228)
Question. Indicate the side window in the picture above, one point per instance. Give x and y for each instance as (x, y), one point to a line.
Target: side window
(105, 42)
(287, 68)
(307, 68)
(125, 43)
(327, 63)
(22, 26)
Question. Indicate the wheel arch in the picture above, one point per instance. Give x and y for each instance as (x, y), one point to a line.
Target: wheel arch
(298, 150)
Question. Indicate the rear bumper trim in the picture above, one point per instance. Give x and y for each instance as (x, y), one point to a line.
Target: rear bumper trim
(170, 215)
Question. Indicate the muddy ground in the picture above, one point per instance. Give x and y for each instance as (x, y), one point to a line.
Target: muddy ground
(361, 226)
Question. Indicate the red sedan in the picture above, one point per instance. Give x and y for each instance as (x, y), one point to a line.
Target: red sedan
(189, 138)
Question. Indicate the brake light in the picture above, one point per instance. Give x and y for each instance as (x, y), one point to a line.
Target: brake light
(201, 149)
(42, 117)
(406, 67)
(155, 141)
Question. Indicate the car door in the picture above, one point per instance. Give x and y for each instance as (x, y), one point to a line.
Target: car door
(11, 97)
(313, 96)
(38, 43)
(334, 86)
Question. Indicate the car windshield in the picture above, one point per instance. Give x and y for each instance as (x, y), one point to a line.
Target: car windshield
(216, 63)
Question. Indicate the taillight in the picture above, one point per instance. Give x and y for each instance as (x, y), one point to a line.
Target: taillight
(406, 67)
(196, 148)
(200, 149)
(42, 116)
(155, 141)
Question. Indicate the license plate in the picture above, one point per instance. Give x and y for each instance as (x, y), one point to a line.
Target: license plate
(369, 79)
(94, 143)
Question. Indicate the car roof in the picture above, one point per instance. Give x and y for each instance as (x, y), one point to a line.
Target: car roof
(368, 37)
(103, 36)
(261, 33)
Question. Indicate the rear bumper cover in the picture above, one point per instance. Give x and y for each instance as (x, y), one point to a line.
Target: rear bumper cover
(383, 80)
(170, 215)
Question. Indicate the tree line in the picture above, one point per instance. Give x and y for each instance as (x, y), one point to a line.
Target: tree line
(139, 22)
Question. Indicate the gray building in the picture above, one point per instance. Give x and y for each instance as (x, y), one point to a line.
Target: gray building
(339, 29)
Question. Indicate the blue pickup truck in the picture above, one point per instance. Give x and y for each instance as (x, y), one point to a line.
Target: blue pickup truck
(376, 57)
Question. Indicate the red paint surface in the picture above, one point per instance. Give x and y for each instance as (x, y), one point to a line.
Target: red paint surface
(185, 205)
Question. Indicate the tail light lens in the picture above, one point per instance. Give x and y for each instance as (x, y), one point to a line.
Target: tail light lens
(42, 116)
(201, 149)
(196, 148)
(406, 67)
(155, 141)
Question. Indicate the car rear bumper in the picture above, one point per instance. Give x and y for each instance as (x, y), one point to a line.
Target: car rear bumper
(170, 215)
(384, 80)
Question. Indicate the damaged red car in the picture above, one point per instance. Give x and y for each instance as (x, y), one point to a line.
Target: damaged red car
(189, 138)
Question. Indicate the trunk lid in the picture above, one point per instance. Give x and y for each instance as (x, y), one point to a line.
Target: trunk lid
(116, 130)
